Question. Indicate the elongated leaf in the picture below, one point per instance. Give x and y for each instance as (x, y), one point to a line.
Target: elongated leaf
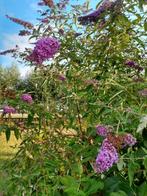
(8, 133)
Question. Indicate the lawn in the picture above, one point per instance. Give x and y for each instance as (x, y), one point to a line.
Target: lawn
(7, 150)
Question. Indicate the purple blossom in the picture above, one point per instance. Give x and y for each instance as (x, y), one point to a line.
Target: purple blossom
(62, 77)
(45, 48)
(143, 92)
(106, 158)
(101, 130)
(129, 140)
(134, 65)
(8, 110)
(94, 16)
(27, 98)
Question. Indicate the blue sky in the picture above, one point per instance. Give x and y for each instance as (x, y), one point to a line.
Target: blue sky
(23, 9)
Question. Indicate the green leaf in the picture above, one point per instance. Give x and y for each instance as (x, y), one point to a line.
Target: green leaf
(16, 133)
(69, 181)
(91, 185)
(120, 193)
(95, 186)
(8, 133)
(2, 127)
(132, 168)
(77, 168)
(117, 183)
(145, 25)
(145, 163)
(30, 119)
(74, 192)
(142, 190)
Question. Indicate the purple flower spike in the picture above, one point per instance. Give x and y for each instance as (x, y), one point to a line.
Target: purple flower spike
(129, 140)
(8, 110)
(106, 158)
(27, 98)
(94, 16)
(101, 130)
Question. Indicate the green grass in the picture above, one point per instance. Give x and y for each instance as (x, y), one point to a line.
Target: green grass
(7, 151)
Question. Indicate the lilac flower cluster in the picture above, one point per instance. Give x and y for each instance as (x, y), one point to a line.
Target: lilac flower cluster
(94, 16)
(8, 110)
(129, 140)
(101, 130)
(45, 48)
(133, 64)
(106, 158)
(26, 98)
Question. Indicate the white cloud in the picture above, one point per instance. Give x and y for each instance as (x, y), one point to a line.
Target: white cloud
(25, 70)
(11, 40)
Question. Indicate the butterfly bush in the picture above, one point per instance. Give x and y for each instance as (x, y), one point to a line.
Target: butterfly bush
(45, 49)
(108, 153)
(27, 98)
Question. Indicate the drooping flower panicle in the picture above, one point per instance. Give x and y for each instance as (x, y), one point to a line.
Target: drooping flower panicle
(8, 51)
(21, 22)
(45, 48)
(27, 98)
(94, 16)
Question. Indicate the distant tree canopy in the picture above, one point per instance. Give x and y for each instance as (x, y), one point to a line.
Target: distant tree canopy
(9, 76)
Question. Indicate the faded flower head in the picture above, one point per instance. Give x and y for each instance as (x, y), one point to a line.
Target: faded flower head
(101, 130)
(24, 33)
(106, 157)
(21, 22)
(45, 48)
(129, 140)
(48, 3)
(8, 110)
(27, 98)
